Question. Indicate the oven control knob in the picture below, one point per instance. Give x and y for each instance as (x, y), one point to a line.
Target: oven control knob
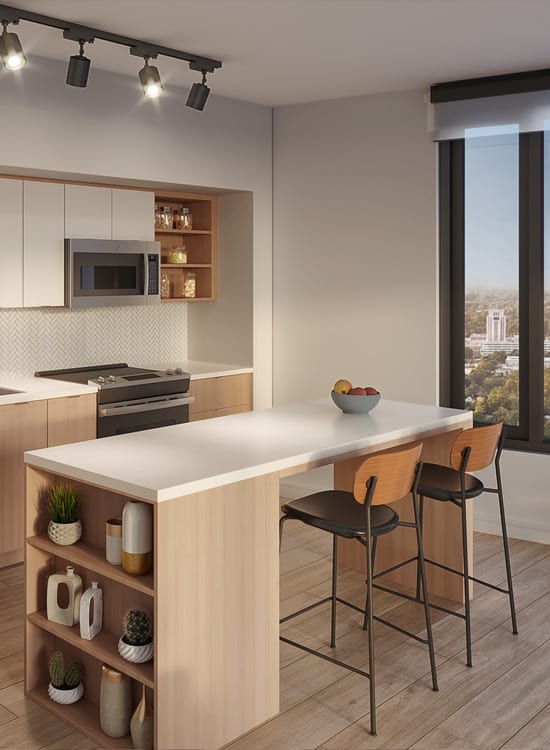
(101, 379)
(111, 378)
(169, 372)
(178, 371)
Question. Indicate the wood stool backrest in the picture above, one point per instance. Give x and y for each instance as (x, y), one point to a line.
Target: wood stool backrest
(483, 444)
(394, 470)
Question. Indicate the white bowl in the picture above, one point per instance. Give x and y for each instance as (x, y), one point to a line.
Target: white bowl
(351, 404)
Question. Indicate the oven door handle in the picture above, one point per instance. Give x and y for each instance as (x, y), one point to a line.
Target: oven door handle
(111, 411)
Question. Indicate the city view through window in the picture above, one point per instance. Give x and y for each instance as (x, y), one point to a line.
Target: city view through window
(491, 325)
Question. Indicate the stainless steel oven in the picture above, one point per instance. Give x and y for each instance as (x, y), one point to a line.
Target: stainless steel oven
(130, 399)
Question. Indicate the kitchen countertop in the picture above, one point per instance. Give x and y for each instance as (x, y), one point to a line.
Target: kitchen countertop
(171, 462)
(38, 389)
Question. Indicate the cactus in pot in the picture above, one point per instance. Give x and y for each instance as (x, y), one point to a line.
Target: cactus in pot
(136, 643)
(65, 682)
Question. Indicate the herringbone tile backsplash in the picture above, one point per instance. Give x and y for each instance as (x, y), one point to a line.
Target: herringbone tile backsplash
(51, 338)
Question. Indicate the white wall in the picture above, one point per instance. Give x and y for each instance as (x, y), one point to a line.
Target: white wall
(109, 131)
(354, 273)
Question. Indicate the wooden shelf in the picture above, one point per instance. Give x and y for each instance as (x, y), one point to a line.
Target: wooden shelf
(186, 265)
(93, 558)
(183, 231)
(103, 647)
(187, 299)
(83, 715)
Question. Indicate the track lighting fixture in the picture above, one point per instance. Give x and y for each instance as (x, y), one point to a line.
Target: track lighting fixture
(79, 67)
(11, 51)
(198, 94)
(13, 57)
(150, 80)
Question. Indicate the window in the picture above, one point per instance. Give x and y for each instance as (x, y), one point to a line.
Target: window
(495, 291)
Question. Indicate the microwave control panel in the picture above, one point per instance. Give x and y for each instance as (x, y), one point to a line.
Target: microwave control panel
(153, 286)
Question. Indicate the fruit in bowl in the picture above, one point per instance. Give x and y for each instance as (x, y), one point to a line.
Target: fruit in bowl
(355, 399)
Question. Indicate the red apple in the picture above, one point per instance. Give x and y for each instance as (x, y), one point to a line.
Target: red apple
(370, 391)
(358, 391)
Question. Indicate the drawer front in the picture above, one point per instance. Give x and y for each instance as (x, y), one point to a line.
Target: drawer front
(225, 392)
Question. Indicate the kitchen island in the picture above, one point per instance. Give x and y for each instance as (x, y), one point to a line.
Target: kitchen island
(214, 486)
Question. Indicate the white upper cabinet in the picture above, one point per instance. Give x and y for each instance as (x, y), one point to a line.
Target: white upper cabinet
(87, 212)
(43, 252)
(133, 215)
(11, 243)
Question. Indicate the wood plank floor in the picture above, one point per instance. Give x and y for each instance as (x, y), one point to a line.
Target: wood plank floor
(502, 702)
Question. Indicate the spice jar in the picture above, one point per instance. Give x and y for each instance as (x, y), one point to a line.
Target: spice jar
(189, 288)
(164, 217)
(183, 219)
(178, 255)
(164, 286)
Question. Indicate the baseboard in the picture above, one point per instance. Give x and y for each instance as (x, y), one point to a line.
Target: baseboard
(529, 531)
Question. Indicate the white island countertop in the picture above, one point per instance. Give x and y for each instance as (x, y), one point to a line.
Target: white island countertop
(171, 462)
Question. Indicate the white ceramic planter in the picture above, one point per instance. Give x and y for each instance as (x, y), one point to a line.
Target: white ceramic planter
(136, 654)
(66, 696)
(64, 533)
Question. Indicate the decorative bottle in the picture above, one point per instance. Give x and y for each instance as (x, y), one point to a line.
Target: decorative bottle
(141, 724)
(92, 599)
(70, 614)
(115, 702)
(137, 538)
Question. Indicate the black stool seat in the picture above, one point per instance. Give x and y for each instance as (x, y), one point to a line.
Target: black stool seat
(337, 512)
(443, 483)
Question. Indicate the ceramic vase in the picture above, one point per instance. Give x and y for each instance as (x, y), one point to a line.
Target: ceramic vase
(113, 541)
(91, 602)
(141, 724)
(115, 702)
(69, 615)
(137, 537)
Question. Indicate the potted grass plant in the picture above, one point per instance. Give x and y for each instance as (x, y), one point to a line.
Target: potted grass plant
(63, 506)
(65, 682)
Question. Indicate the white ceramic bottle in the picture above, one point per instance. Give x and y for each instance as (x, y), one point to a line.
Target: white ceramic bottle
(70, 614)
(92, 599)
(137, 537)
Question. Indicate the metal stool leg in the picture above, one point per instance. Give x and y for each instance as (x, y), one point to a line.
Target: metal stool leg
(421, 524)
(466, 579)
(373, 558)
(282, 520)
(422, 577)
(333, 595)
(506, 551)
(370, 629)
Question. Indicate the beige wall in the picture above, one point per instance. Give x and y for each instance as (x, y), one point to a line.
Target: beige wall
(354, 273)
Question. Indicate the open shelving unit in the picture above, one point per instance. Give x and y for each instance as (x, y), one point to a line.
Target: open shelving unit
(121, 591)
(200, 243)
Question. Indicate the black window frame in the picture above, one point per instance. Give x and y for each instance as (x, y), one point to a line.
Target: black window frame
(529, 434)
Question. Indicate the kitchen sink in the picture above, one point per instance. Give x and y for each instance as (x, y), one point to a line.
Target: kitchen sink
(8, 391)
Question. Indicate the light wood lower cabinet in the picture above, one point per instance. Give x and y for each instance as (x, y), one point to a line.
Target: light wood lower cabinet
(28, 426)
(217, 397)
(23, 427)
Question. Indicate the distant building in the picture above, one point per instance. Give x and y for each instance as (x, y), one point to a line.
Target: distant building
(496, 326)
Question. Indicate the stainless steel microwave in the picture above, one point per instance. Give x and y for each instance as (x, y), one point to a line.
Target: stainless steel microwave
(100, 273)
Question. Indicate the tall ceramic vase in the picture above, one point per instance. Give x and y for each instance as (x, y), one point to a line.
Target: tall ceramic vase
(115, 702)
(137, 537)
(141, 725)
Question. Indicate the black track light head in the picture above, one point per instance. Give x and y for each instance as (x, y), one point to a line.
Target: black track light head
(199, 94)
(79, 68)
(11, 51)
(150, 80)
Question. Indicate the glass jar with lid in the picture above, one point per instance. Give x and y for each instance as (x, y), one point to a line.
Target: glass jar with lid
(189, 286)
(177, 254)
(164, 217)
(164, 286)
(183, 219)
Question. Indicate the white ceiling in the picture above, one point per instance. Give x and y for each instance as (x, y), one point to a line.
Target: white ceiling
(278, 52)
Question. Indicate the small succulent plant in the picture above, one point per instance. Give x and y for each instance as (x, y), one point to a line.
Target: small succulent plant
(63, 503)
(62, 677)
(138, 628)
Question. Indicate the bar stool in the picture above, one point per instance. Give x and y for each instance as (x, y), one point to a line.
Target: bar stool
(474, 449)
(364, 514)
